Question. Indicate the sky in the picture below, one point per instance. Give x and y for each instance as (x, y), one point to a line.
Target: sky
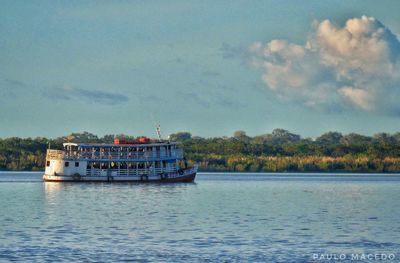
(207, 67)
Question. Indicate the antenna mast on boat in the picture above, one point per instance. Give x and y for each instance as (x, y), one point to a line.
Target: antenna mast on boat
(158, 130)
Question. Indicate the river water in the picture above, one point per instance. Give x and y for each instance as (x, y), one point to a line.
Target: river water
(220, 217)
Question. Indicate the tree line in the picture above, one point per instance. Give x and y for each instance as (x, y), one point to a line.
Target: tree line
(279, 151)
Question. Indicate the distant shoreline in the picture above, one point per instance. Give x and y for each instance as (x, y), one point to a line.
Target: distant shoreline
(279, 151)
(236, 172)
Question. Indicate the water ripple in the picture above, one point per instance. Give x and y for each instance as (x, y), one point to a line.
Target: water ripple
(221, 218)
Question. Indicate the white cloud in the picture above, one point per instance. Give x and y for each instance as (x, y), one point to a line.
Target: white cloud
(87, 95)
(359, 97)
(356, 65)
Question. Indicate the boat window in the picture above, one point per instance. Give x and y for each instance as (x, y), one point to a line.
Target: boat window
(66, 164)
(88, 166)
(48, 163)
(76, 164)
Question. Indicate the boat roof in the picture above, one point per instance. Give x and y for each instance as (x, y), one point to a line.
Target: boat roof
(109, 145)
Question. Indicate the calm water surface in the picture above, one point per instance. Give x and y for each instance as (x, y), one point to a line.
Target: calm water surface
(221, 217)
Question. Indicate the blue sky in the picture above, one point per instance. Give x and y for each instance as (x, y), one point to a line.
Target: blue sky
(208, 67)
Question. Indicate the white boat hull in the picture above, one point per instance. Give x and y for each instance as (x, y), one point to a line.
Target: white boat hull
(186, 175)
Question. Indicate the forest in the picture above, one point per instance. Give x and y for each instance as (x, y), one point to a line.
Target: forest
(279, 151)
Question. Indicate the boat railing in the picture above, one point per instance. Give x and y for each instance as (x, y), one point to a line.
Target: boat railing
(172, 171)
(99, 155)
(128, 155)
(128, 172)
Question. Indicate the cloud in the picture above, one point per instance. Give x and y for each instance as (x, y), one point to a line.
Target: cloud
(91, 96)
(354, 66)
(11, 87)
(359, 97)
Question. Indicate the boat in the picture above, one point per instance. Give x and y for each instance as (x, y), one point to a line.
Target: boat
(142, 160)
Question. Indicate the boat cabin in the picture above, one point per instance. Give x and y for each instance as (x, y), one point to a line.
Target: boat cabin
(118, 159)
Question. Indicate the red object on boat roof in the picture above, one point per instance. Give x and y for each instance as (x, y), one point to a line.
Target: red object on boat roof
(141, 140)
(144, 140)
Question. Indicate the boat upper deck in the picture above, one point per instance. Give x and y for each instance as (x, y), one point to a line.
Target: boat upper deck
(118, 152)
(113, 145)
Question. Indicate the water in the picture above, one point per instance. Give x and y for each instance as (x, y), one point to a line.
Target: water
(221, 217)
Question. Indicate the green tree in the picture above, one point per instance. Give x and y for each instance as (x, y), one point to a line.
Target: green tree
(281, 136)
(180, 136)
(329, 138)
(241, 136)
(384, 139)
(355, 139)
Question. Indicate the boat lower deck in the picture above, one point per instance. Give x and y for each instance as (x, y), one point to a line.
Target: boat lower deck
(187, 175)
